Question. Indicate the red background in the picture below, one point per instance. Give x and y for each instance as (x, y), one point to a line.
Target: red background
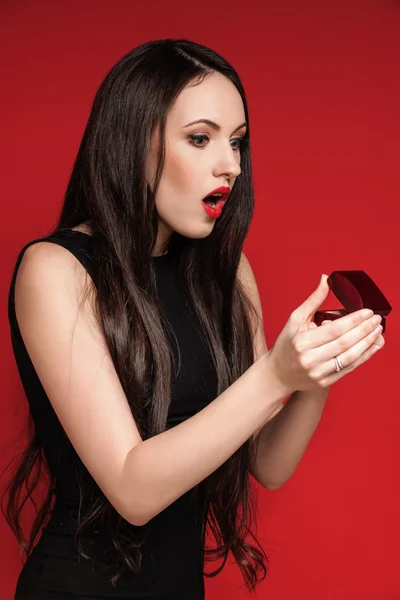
(322, 81)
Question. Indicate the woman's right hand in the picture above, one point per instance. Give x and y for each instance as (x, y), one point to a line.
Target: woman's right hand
(303, 357)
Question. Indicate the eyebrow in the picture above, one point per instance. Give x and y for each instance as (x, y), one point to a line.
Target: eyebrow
(213, 125)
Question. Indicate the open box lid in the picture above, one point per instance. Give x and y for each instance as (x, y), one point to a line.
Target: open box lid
(356, 290)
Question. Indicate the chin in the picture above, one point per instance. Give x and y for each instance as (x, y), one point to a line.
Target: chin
(196, 233)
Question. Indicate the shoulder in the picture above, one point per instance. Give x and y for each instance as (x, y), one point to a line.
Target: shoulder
(248, 281)
(245, 275)
(48, 263)
(49, 278)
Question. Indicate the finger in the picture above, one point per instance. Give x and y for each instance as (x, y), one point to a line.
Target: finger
(334, 331)
(336, 375)
(350, 356)
(313, 325)
(349, 343)
(314, 301)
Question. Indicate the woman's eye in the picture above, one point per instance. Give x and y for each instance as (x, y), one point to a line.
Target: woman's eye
(194, 139)
(197, 140)
(239, 142)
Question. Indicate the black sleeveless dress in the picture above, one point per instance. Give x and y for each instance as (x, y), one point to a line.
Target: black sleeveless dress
(172, 564)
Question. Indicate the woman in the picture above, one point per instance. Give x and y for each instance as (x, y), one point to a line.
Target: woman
(137, 329)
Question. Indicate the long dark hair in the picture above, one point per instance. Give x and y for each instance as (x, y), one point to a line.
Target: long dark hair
(108, 188)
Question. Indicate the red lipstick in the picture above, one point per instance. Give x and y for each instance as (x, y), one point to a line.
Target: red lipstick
(214, 202)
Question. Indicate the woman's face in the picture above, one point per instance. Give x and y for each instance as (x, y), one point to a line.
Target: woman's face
(199, 158)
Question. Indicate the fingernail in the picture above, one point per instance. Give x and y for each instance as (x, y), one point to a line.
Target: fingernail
(366, 314)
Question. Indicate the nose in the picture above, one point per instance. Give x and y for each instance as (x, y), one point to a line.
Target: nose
(227, 165)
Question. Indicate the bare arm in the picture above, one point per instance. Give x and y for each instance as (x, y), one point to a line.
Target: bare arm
(140, 478)
(166, 466)
(282, 441)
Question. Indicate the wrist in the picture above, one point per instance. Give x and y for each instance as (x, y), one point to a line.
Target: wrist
(318, 395)
(273, 379)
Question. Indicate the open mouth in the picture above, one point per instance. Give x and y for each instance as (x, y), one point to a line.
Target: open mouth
(221, 192)
(214, 199)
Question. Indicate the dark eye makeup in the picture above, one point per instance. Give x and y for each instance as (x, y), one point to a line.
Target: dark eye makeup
(196, 138)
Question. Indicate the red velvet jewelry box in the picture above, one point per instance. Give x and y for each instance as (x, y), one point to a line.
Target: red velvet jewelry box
(355, 290)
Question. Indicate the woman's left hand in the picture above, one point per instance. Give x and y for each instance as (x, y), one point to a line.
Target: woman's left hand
(313, 325)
